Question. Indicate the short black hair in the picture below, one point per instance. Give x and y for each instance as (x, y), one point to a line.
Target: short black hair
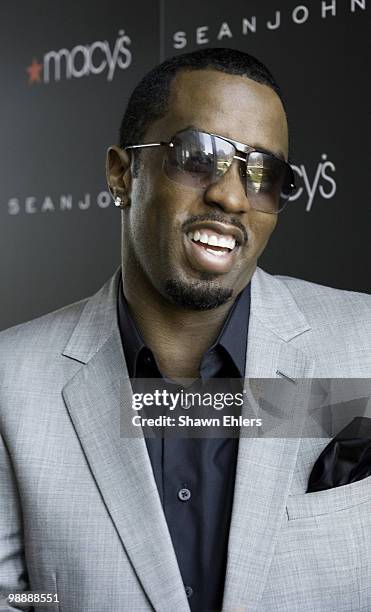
(149, 100)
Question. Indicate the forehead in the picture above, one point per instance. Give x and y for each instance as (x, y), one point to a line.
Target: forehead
(230, 105)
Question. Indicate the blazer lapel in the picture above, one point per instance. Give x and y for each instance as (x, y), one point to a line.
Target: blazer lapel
(265, 464)
(98, 399)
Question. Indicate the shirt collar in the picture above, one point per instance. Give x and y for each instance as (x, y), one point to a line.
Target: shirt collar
(233, 336)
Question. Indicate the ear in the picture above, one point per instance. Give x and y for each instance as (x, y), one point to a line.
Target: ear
(118, 173)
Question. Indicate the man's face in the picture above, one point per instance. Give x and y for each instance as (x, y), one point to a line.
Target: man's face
(163, 215)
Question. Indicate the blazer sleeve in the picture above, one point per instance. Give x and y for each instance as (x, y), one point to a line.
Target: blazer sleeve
(13, 571)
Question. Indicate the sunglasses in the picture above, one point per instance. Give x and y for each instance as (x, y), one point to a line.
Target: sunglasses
(198, 159)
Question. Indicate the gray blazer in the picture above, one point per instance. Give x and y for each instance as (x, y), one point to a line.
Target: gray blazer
(80, 513)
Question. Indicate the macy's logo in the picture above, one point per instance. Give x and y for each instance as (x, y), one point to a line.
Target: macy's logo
(81, 61)
(322, 181)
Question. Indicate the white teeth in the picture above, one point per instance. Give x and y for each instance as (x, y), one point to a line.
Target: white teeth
(217, 253)
(226, 242)
(213, 241)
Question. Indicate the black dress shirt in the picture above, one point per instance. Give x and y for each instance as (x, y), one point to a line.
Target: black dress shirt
(195, 476)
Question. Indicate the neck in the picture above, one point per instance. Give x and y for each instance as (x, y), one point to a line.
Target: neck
(178, 337)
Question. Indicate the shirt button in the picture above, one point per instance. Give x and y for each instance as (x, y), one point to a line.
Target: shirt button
(189, 591)
(184, 494)
(186, 406)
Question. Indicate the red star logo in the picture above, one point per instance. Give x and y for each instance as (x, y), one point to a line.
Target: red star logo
(34, 72)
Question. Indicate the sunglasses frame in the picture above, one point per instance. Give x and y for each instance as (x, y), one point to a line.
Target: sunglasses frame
(239, 147)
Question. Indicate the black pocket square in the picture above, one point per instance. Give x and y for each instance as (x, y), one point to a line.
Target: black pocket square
(346, 459)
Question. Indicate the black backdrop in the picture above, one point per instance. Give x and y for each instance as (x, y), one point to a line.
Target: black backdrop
(67, 71)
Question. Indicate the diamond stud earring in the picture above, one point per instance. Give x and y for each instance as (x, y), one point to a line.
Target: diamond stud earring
(117, 199)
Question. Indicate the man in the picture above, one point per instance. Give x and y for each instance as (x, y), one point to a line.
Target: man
(111, 522)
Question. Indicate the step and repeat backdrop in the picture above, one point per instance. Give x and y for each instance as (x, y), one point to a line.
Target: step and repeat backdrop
(67, 70)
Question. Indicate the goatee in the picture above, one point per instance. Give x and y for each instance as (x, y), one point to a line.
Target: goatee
(199, 295)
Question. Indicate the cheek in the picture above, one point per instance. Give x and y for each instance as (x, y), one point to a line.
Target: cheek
(262, 227)
(144, 212)
(152, 217)
(160, 207)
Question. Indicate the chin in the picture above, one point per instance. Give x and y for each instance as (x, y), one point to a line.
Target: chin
(201, 294)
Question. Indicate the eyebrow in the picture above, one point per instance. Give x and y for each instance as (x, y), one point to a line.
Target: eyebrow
(278, 153)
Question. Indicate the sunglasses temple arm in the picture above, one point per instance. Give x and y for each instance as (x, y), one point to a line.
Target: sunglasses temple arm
(151, 144)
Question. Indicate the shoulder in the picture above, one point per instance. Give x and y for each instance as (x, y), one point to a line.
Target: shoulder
(39, 340)
(326, 305)
(58, 323)
(331, 326)
(36, 350)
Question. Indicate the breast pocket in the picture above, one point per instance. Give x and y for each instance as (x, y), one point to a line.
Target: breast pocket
(329, 501)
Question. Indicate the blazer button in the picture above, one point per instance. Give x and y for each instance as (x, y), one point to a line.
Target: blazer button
(184, 494)
(189, 591)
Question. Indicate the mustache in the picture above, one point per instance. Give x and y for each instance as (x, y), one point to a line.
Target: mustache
(215, 217)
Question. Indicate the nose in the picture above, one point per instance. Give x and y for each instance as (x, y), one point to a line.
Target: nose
(228, 192)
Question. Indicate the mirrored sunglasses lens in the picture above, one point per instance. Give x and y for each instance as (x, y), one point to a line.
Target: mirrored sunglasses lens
(197, 159)
(266, 182)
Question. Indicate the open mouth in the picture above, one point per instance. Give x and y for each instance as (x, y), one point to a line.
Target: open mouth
(211, 250)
